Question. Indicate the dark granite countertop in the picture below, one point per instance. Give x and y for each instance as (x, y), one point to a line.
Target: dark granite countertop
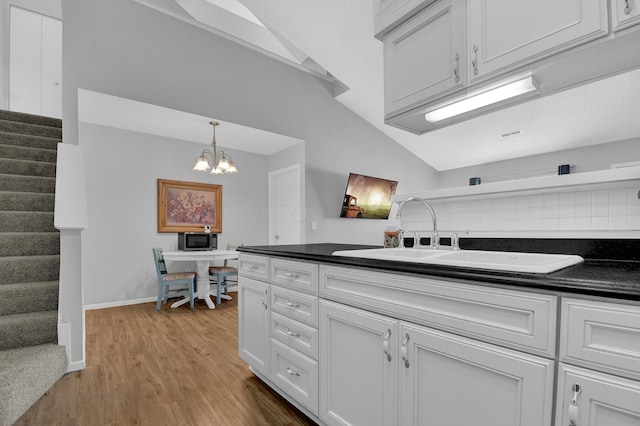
(607, 278)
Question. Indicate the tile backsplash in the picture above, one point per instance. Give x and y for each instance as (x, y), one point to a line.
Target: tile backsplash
(610, 210)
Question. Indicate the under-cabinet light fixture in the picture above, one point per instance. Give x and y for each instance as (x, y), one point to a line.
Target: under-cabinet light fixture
(477, 100)
(220, 162)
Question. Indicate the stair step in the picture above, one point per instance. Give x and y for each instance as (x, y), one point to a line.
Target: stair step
(29, 243)
(23, 117)
(25, 375)
(26, 221)
(27, 153)
(28, 329)
(26, 201)
(19, 298)
(30, 129)
(29, 141)
(22, 183)
(27, 168)
(25, 269)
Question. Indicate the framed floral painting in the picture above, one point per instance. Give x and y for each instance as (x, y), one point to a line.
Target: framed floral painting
(189, 206)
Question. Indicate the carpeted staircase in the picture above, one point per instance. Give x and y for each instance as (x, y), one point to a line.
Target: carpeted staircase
(31, 360)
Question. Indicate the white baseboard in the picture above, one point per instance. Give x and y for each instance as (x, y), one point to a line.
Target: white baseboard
(76, 366)
(119, 303)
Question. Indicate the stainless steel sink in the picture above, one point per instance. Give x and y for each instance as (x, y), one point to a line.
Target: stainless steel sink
(541, 263)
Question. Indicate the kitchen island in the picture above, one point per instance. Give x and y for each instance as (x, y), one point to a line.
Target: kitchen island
(363, 341)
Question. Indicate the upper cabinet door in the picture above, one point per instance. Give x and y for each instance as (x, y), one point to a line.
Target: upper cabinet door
(511, 33)
(625, 13)
(425, 56)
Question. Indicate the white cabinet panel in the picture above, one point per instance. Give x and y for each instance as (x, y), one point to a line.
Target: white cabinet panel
(254, 324)
(357, 380)
(295, 334)
(603, 400)
(508, 33)
(299, 276)
(296, 305)
(424, 57)
(296, 374)
(257, 267)
(625, 13)
(451, 380)
(601, 335)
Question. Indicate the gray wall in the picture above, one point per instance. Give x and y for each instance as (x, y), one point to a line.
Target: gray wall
(121, 178)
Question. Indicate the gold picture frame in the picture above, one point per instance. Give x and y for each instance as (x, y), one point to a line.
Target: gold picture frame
(189, 206)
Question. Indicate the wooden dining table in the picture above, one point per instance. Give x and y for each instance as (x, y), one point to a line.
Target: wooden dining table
(203, 260)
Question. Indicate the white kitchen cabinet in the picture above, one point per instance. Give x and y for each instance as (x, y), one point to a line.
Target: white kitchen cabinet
(254, 327)
(451, 380)
(425, 57)
(625, 13)
(358, 383)
(507, 33)
(591, 398)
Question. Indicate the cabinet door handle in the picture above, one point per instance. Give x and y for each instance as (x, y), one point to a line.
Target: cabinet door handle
(291, 275)
(291, 372)
(627, 9)
(456, 67)
(385, 344)
(403, 351)
(292, 333)
(292, 305)
(474, 59)
(252, 267)
(573, 405)
(264, 297)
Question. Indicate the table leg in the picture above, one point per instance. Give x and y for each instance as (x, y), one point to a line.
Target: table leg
(204, 291)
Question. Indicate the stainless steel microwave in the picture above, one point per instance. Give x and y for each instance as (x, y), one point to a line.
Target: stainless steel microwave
(190, 241)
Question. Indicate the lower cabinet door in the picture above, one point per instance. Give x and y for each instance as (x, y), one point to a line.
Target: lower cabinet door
(451, 380)
(591, 398)
(357, 366)
(254, 326)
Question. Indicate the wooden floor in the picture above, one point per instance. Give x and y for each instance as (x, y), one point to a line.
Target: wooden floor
(167, 367)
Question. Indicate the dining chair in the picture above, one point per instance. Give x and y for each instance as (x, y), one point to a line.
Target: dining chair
(219, 276)
(167, 279)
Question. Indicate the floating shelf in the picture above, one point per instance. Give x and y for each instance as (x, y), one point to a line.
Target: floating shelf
(597, 180)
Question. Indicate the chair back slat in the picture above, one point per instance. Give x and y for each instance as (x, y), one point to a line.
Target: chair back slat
(161, 267)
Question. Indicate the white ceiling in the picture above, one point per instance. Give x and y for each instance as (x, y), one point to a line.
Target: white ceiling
(336, 36)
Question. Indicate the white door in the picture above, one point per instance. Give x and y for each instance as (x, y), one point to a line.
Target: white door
(254, 327)
(358, 380)
(450, 380)
(590, 398)
(284, 206)
(35, 63)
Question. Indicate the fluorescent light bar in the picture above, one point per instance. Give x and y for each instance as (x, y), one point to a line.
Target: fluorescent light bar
(510, 90)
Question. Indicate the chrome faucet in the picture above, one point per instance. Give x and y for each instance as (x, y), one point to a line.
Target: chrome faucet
(434, 236)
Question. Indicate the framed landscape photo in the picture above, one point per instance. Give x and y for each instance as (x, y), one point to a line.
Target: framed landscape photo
(189, 206)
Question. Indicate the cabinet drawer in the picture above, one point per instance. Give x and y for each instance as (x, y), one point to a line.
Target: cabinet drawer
(253, 266)
(295, 374)
(603, 400)
(299, 276)
(295, 334)
(601, 335)
(516, 319)
(293, 304)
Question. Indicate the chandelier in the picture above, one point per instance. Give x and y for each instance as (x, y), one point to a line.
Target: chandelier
(221, 163)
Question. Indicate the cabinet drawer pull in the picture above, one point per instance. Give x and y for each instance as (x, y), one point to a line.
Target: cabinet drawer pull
(252, 267)
(292, 333)
(403, 351)
(573, 405)
(291, 372)
(292, 305)
(456, 67)
(474, 59)
(627, 9)
(385, 344)
(291, 275)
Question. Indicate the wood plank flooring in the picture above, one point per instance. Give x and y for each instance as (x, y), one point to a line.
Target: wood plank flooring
(167, 367)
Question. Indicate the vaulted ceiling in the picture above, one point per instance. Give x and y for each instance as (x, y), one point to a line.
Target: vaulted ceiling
(334, 39)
